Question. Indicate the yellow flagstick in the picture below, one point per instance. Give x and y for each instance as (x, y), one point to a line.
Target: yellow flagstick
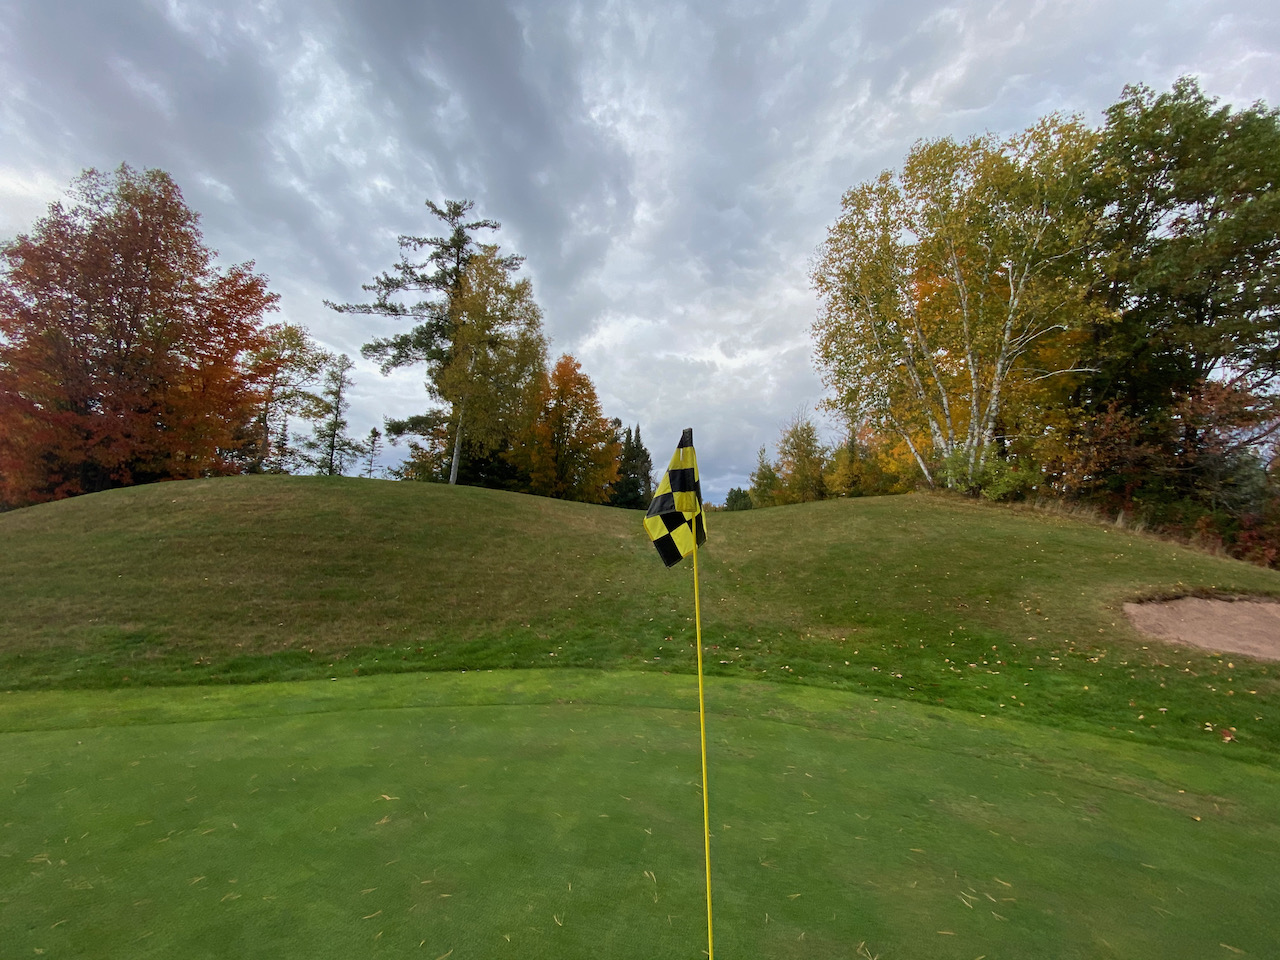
(702, 723)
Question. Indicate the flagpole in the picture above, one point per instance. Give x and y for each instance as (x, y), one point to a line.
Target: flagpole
(702, 724)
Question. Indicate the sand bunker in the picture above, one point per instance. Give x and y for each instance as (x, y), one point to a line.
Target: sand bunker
(1249, 627)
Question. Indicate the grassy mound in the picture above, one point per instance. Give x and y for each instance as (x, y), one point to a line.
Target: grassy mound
(913, 598)
(555, 814)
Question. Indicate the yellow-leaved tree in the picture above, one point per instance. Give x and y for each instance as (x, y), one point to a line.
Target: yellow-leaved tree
(950, 290)
(493, 372)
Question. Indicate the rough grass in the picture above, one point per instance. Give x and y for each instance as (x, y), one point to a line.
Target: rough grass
(913, 598)
(556, 814)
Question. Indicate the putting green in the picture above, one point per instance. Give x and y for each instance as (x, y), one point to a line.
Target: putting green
(557, 814)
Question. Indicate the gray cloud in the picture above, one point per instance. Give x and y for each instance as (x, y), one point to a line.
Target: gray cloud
(668, 169)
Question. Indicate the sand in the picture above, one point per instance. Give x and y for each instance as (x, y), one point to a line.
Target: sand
(1248, 627)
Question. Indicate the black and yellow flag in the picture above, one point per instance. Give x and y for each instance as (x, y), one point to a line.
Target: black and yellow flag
(676, 510)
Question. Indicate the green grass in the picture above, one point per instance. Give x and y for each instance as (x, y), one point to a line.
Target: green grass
(556, 814)
(915, 598)
(958, 748)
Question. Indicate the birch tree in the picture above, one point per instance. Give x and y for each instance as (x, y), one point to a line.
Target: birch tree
(493, 372)
(944, 286)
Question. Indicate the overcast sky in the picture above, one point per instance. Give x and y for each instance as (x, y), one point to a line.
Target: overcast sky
(668, 169)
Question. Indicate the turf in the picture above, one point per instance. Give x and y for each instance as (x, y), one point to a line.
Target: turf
(916, 598)
(556, 813)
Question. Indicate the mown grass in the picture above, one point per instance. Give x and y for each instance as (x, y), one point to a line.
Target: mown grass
(913, 598)
(555, 813)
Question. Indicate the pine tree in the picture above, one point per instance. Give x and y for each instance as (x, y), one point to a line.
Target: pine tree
(634, 488)
(329, 451)
(372, 447)
(643, 466)
(439, 338)
(766, 485)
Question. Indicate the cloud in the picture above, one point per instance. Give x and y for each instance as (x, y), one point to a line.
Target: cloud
(668, 169)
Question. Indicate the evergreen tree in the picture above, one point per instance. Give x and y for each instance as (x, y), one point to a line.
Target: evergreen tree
(644, 466)
(329, 451)
(737, 499)
(634, 488)
(372, 447)
(439, 337)
(766, 486)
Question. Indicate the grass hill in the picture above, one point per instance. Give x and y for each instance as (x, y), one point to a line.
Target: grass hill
(917, 598)
(963, 749)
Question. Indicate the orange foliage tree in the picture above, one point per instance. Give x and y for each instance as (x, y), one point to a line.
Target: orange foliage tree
(571, 451)
(123, 350)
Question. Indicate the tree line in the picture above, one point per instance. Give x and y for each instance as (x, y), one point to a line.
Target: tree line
(1071, 312)
(503, 418)
(127, 357)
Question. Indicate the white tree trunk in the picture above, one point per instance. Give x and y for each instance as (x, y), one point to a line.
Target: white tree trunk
(457, 447)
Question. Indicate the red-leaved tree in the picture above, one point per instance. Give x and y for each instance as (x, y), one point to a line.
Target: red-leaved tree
(123, 349)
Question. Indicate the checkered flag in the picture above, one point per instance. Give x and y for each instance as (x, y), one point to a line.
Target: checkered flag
(676, 511)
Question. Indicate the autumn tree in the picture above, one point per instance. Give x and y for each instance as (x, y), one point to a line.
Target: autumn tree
(799, 473)
(802, 458)
(867, 463)
(569, 450)
(498, 355)
(948, 286)
(430, 292)
(124, 352)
